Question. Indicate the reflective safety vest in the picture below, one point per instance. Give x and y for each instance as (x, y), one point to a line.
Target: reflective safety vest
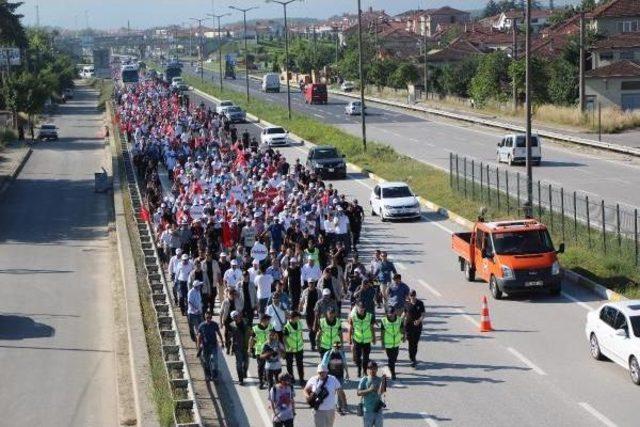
(392, 332)
(261, 337)
(330, 334)
(293, 341)
(362, 333)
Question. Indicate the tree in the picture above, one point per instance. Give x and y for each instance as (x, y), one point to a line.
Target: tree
(380, 71)
(490, 9)
(563, 82)
(492, 78)
(456, 78)
(539, 78)
(11, 30)
(404, 74)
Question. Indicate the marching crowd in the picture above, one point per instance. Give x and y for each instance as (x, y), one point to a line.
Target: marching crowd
(272, 251)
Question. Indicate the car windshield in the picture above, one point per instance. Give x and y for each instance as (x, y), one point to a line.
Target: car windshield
(234, 109)
(48, 127)
(325, 153)
(356, 103)
(394, 192)
(226, 104)
(521, 142)
(275, 130)
(635, 323)
(521, 243)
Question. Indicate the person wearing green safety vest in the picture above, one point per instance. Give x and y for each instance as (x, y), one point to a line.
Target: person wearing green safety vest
(293, 344)
(259, 337)
(361, 336)
(391, 335)
(330, 331)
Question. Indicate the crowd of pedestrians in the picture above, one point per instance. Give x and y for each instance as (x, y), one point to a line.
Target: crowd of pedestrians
(272, 250)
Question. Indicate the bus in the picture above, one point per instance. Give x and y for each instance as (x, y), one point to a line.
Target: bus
(130, 73)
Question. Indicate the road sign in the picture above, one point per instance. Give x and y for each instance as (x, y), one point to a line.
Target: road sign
(13, 54)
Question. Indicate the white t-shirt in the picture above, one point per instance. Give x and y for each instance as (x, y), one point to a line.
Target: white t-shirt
(278, 317)
(259, 251)
(332, 385)
(263, 284)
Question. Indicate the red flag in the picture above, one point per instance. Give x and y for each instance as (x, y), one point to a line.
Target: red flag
(144, 214)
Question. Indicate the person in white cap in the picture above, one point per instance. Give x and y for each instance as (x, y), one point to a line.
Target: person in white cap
(183, 270)
(194, 310)
(233, 276)
(310, 271)
(173, 264)
(321, 394)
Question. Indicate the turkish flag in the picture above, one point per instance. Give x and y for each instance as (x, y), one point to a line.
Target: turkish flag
(144, 214)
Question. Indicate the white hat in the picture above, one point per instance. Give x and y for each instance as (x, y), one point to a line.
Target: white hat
(223, 254)
(185, 256)
(326, 291)
(234, 262)
(234, 313)
(197, 283)
(322, 368)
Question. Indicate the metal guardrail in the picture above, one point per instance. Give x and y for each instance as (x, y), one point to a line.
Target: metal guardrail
(172, 349)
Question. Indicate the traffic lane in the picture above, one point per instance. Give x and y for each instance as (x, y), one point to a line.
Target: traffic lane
(56, 315)
(573, 167)
(408, 261)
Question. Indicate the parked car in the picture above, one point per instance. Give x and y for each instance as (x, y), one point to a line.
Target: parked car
(613, 332)
(326, 162)
(274, 136)
(394, 200)
(354, 108)
(347, 86)
(223, 105)
(176, 81)
(512, 149)
(48, 132)
(235, 114)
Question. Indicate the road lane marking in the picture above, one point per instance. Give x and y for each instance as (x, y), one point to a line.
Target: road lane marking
(526, 361)
(430, 288)
(577, 301)
(401, 266)
(590, 409)
(473, 321)
(266, 419)
(320, 116)
(429, 419)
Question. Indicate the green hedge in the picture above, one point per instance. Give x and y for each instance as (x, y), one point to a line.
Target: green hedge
(612, 270)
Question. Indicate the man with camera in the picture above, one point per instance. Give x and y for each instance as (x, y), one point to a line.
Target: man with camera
(370, 389)
(321, 394)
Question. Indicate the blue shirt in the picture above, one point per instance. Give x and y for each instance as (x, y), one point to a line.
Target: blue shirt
(384, 271)
(398, 294)
(208, 334)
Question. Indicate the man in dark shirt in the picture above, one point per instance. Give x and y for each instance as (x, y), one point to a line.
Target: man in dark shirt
(367, 294)
(240, 344)
(294, 285)
(207, 344)
(414, 313)
(356, 218)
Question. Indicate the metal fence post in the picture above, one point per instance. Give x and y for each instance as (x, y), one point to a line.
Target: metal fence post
(618, 226)
(506, 183)
(550, 207)
(586, 198)
(473, 180)
(498, 186)
(604, 228)
(488, 186)
(518, 188)
(539, 201)
(465, 177)
(562, 211)
(457, 174)
(575, 216)
(635, 233)
(451, 170)
(481, 181)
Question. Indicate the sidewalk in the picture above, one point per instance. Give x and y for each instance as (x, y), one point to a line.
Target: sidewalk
(12, 159)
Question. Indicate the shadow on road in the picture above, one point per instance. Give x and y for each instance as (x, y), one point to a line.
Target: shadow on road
(22, 327)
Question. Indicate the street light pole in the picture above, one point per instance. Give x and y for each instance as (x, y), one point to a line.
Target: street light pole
(200, 47)
(284, 4)
(219, 42)
(362, 82)
(529, 203)
(246, 51)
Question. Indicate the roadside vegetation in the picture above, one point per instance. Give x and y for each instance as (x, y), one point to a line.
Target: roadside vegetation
(6, 136)
(105, 88)
(614, 270)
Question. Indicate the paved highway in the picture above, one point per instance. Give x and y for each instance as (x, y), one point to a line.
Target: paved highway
(534, 370)
(57, 365)
(430, 139)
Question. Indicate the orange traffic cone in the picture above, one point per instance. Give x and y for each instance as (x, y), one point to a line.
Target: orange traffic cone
(485, 321)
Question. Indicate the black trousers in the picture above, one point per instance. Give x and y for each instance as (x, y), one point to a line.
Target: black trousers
(261, 373)
(361, 356)
(298, 356)
(273, 376)
(392, 356)
(310, 318)
(413, 337)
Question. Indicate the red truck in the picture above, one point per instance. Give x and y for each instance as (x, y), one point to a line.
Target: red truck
(315, 93)
(512, 256)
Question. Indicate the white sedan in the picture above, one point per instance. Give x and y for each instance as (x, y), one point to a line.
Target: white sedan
(223, 105)
(613, 332)
(354, 108)
(394, 200)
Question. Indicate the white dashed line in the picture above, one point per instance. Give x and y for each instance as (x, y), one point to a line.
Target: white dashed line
(590, 409)
(430, 288)
(577, 301)
(320, 116)
(428, 419)
(266, 419)
(526, 361)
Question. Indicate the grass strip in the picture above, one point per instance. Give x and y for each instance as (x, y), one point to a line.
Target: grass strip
(612, 270)
(160, 388)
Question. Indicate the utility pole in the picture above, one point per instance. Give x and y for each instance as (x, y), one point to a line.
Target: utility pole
(284, 4)
(200, 47)
(514, 88)
(335, 30)
(37, 16)
(315, 48)
(582, 59)
(529, 203)
(219, 43)
(426, 60)
(362, 82)
(246, 51)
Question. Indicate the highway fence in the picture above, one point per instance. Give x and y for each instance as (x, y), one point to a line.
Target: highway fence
(573, 216)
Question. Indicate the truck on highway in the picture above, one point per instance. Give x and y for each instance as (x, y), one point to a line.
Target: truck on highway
(512, 256)
(315, 93)
(173, 69)
(271, 82)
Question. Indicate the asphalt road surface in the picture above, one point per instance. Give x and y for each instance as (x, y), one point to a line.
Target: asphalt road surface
(57, 366)
(431, 139)
(534, 370)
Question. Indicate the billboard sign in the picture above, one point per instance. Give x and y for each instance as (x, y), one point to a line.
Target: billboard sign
(9, 55)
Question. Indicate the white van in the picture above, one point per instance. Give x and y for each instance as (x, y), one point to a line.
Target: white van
(271, 82)
(87, 72)
(512, 149)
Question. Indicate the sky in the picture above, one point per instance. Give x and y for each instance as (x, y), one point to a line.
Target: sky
(110, 14)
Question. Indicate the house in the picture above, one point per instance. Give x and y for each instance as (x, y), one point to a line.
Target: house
(427, 20)
(615, 48)
(615, 17)
(614, 85)
(504, 21)
(458, 50)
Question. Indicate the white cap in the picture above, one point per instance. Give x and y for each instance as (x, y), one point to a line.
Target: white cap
(197, 283)
(234, 313)
(185, 257)
(326, 291)
(322, 368)
(234, 262)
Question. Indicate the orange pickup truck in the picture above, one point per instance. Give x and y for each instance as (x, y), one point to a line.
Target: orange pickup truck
(512, 256)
